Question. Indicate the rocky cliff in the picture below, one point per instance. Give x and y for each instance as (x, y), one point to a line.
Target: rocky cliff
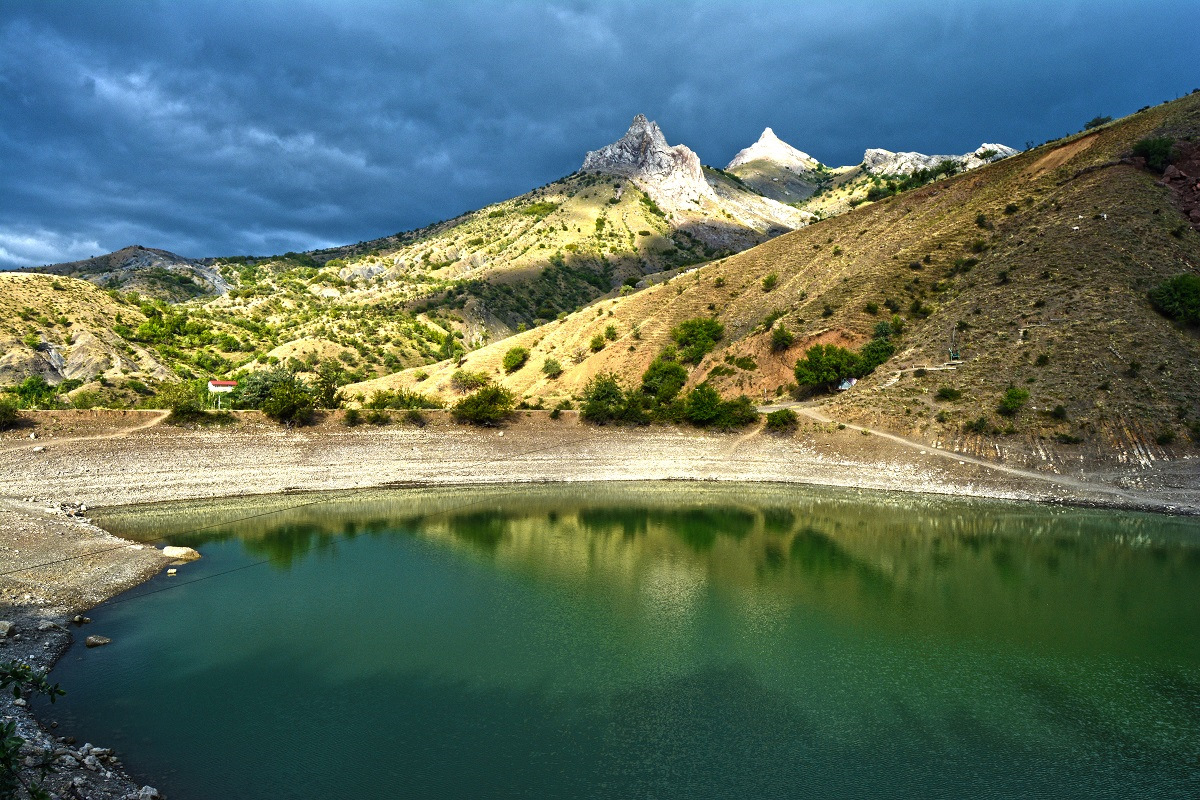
(878, 161)
(770, 147)
(672, 176)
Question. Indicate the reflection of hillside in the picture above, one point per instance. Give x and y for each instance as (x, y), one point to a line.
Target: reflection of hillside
(907, 564)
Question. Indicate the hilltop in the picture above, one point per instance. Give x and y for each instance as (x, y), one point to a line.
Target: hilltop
(1036, 269)
(637, 212)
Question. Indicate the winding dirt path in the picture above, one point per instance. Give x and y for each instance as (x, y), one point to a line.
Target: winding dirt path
(159, 417)
(1057, 479)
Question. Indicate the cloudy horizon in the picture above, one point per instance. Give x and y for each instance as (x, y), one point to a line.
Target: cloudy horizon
(220, 128)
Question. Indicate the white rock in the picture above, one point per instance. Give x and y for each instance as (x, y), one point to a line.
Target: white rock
(6, 628)
(770, 147)
(180, 553)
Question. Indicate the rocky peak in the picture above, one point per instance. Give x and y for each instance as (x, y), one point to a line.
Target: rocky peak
(672, 176)
(770, 147)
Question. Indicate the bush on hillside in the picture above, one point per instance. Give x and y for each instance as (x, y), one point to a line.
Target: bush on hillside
(1014, 400)
(665, 376)
(515, 358)
(604, 400)
(489, 405)
(824, 366)
(467, 381)
(182, 399)
(696, 338)
(1156, 150)
(781, 338)
(1179, 299)
(35, 392)
(551, 367)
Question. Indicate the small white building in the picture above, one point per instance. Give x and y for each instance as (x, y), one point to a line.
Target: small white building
(221, 387)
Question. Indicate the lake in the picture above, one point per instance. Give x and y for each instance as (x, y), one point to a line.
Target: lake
(662, 640)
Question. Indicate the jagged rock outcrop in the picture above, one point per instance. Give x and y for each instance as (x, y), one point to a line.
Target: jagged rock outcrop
(672, 176)
(878, 161)
(770, 147)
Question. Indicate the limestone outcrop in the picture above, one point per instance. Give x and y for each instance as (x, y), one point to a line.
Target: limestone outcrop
(770, 147)
(672, 176)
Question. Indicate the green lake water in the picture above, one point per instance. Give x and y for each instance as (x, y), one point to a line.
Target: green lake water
(651, 641)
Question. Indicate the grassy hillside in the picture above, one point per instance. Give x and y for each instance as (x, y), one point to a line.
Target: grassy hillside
(1041, 265)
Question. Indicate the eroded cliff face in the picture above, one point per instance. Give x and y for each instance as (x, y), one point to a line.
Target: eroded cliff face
(878, 161)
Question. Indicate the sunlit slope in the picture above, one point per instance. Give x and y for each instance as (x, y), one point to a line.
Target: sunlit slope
(1051, 252)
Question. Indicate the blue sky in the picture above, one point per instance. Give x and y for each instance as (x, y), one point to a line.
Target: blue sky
(223, 127)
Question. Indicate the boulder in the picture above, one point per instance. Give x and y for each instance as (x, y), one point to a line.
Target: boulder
(6, 628)
(97, 641)
(180, 553)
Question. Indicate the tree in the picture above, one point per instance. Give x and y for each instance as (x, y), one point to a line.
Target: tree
(703, 406)
(1096, 122)
(489, 405)
(824, 366)
(663, 379)
(327, 383)
(603, 399)
(182, 399)
(290, 403)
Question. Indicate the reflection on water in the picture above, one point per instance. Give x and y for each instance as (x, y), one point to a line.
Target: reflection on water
(657, 640)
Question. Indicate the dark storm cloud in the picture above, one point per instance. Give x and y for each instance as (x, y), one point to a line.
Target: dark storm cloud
(232, 127)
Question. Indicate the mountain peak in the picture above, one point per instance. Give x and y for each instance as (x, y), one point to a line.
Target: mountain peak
(770, 147)
(672, 175)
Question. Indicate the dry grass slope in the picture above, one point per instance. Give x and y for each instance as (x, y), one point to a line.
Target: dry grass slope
(1039, 263)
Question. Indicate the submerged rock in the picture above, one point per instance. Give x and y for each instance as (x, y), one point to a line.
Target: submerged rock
(97, 641)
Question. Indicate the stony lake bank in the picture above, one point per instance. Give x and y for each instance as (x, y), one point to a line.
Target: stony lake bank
(56, 466)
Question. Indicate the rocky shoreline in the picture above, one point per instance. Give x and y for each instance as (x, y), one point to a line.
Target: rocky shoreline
(58, 564)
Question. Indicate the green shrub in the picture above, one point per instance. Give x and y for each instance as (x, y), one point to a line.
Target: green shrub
(1096, 122)
(1156, 151)
(696, 338)
(949, 393)
(663, 379)
(489, 405)
(379, 417)
(414, 417)
(352, 417)
(782, 421)
(603, 399)
(466, 381)
(551, 368)
(824, 366)
(770, 282)
(597, 343)
(1014, 400)
(8, 414)
(1042, 360)
(182, 399)
(702, 406)
(871, 308)
(1059, 413)
(980, 425)
(781, 339)
(400, 399)
(514, 359)
(290, 403)
(1179, 299)
(35, 392)
(874, 353)
(610, 332)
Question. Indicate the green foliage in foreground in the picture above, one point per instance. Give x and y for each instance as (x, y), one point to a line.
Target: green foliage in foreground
(35, 392)
(24, 682)
(402, 399)
(1179, 299)
(290, 403)
(489, 405)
